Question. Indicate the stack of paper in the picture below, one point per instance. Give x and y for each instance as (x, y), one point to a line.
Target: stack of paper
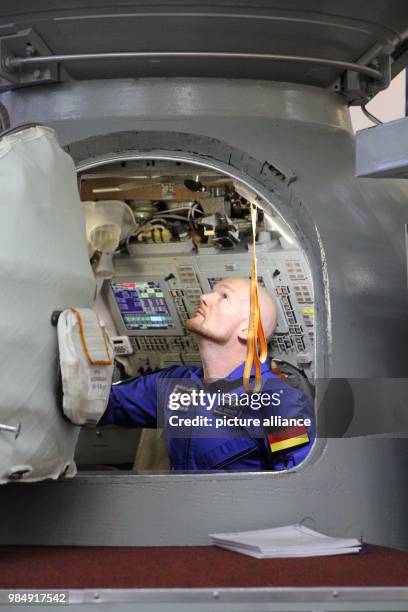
(288, 541)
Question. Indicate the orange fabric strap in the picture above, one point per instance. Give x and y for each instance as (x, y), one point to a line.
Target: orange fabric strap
(98, 362)
(256, 332)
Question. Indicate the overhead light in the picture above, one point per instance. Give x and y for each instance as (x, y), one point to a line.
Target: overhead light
(107, 189)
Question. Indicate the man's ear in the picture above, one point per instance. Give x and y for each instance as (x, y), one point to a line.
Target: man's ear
(243, 334)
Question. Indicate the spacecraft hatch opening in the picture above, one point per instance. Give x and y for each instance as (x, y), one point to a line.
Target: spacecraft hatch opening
(161, 232)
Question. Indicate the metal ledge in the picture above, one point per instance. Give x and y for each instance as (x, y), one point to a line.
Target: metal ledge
(237, 599)
(382, 151)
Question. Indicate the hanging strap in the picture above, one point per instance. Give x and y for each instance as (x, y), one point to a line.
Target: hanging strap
(255, 328)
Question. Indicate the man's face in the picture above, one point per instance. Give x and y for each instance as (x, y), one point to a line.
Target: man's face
(223, 313)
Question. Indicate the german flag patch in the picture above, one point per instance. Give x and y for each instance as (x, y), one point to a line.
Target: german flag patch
(288, 437)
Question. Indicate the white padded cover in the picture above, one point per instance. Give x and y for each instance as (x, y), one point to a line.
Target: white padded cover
(43, 267)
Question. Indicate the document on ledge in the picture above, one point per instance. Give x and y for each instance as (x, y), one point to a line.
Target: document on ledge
(289, 541)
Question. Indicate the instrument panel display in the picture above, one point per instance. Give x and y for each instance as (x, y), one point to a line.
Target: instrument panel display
(142, 305)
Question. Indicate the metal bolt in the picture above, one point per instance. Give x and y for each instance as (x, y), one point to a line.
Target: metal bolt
(11, 429)
(29, 50)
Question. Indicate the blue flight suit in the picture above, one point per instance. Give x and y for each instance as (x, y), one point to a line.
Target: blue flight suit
(143, 402)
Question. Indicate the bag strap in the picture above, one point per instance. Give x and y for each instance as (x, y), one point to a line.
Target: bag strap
(92, 361)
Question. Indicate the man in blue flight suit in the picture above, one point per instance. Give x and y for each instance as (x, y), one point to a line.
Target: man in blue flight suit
(206, 432)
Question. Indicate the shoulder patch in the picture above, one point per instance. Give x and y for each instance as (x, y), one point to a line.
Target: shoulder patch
(289, 437)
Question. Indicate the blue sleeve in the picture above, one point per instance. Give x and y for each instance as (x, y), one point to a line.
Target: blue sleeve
(133, 403)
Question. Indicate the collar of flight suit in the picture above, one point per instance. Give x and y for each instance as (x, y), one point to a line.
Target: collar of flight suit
(235, 376)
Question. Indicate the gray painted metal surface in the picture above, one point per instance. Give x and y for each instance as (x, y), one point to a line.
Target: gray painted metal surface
(353, 489)
(330, 29)
(382, 151)
(352, 232)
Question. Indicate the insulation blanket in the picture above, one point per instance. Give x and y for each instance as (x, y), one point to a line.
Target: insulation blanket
(43, 267)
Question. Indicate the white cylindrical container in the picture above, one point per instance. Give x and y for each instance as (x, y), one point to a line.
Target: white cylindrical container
(43, 267)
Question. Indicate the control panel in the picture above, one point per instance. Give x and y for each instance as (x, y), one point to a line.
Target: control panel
(150, 298)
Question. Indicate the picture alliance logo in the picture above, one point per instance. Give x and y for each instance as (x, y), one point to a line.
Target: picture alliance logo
(200, 421)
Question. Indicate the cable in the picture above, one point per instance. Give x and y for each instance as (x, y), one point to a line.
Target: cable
(190, 217)
(162, 216)
(370, 116)
(171, 210)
